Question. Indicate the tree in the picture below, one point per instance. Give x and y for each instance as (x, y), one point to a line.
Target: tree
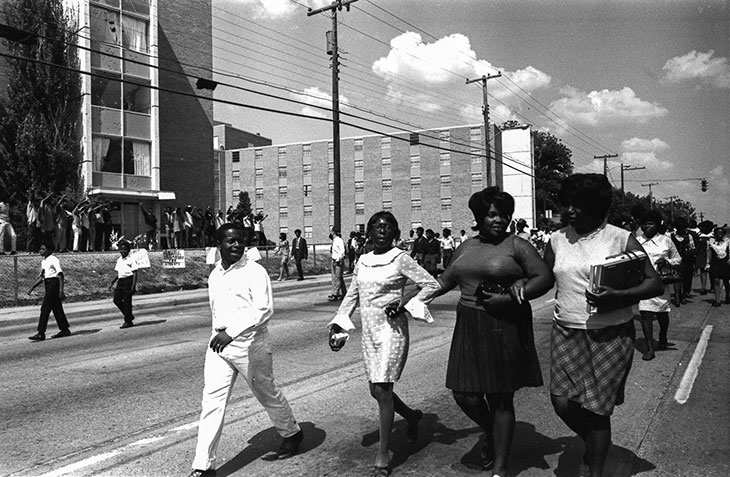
(39, 118)
(552, 164)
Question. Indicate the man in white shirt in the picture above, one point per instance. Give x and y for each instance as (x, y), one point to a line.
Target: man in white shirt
(241, 303)
(126, 280)
(337, 267)
(52, 277)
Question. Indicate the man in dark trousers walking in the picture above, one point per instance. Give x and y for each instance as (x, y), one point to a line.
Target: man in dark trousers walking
(420, 244)
(299, 252)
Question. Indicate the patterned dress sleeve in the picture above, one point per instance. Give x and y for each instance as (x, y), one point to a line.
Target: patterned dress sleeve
(425, 282)
(348, 305)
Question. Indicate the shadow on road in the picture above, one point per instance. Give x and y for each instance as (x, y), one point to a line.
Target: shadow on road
(264, 445)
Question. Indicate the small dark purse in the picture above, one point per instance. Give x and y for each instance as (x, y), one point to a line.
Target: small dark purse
(668, 274)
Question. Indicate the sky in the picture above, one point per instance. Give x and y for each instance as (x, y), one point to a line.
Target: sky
(647, 80)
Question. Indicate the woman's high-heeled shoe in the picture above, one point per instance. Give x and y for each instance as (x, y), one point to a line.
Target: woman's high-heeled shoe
(381, 471)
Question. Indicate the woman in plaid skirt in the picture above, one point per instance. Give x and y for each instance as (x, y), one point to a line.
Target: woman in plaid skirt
(591, 351)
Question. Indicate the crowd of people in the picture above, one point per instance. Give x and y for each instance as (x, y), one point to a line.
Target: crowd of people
(498, 270)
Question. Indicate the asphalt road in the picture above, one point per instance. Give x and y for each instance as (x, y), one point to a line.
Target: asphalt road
(117, 402)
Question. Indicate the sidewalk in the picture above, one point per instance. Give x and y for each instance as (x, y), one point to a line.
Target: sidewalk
(9, 316)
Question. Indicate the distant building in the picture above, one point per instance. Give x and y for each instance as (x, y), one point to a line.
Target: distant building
(141, 140)
(425, 178)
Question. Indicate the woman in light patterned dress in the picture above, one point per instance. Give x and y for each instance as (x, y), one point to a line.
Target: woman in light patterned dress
(377, 285)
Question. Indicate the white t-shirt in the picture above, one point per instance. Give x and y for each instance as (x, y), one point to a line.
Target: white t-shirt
(51, 267)
(125, 266)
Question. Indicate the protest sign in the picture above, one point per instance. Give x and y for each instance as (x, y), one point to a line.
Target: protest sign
(173, 258)
(141, 258)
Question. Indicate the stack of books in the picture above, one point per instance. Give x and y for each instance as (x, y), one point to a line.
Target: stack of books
(619, 272)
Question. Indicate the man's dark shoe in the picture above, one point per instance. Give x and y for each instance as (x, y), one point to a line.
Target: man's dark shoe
(62, 334)
(127, 324)
(202, 473)
(290, 445)
(37, 337)
(332, 298)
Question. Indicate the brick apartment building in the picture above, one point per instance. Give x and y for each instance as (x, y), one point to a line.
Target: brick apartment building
(141, 140)
(425, 178)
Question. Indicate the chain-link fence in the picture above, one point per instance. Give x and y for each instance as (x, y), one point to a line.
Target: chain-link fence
(88, 274)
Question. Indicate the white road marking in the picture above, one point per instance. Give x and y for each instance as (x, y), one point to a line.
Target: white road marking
(690, 374)
(83, 463)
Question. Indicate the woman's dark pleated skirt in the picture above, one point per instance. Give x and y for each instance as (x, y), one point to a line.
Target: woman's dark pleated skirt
(493, 354)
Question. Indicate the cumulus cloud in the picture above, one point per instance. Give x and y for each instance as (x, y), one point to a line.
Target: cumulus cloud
(605, 107)
(644, 152)
(698, 66)
(279, 8)
(444, 63)
(317, 99)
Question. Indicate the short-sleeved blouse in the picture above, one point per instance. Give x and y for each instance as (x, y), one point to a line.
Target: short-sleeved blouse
(574, 255)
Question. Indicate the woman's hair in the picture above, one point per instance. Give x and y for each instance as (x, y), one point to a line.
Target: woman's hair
(591, 192)
(481, 201)
(388, 217)
(652, 216)
(282, 236)
(124, 244)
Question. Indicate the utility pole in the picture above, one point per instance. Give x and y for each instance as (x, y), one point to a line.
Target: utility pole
(333, 51)
(605, 162)
(625, 168)
(671, 206)
(651, 200)
(485, 113)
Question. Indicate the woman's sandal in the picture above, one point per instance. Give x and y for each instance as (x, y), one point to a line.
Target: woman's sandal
(412, 432)
(486, 457)
(381, 471)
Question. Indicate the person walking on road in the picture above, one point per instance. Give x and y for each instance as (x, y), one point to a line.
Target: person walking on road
(241, 304)
(377, 285)
(591, 351)
(447, 247)
(283, 250)
(52, 277)
(338, 253)
(493, 350)
(663, 253)
(299, 251)
(418, 251)
(718, 252)
(126, 280)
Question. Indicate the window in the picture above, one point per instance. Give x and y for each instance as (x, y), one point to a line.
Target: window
(387, 184)
(307, 189)
(281, 153)
(387, 205)
(307, 210)
(358, 164)
(358, 144)
(259, 194)
(385, 147)
(331, 187)
(444, 135)
(258, 154)
(282, 192)
(282, 171)
(446, 203)
(259, 172)
(283, 212)
(307, 169)
(415, 182)
(414, 139)
(445, 181)
(476, 156)
(415, 160)
(387, 161)
(236, 175)
(445, 224)
(359, 208)
(332, 210)
(415, 205)
(307, 152)
(235, 194)
(475, 134)
(236, 156)
(476, 178)
(283, 229)
(444, 159)
(307, 231)
(359, 186)
(415, 225)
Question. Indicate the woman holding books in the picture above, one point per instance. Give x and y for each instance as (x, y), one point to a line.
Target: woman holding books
(662, 252)
(591, 351)
(493, 349)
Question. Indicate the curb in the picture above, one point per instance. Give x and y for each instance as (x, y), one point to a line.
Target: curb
(97, 308)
